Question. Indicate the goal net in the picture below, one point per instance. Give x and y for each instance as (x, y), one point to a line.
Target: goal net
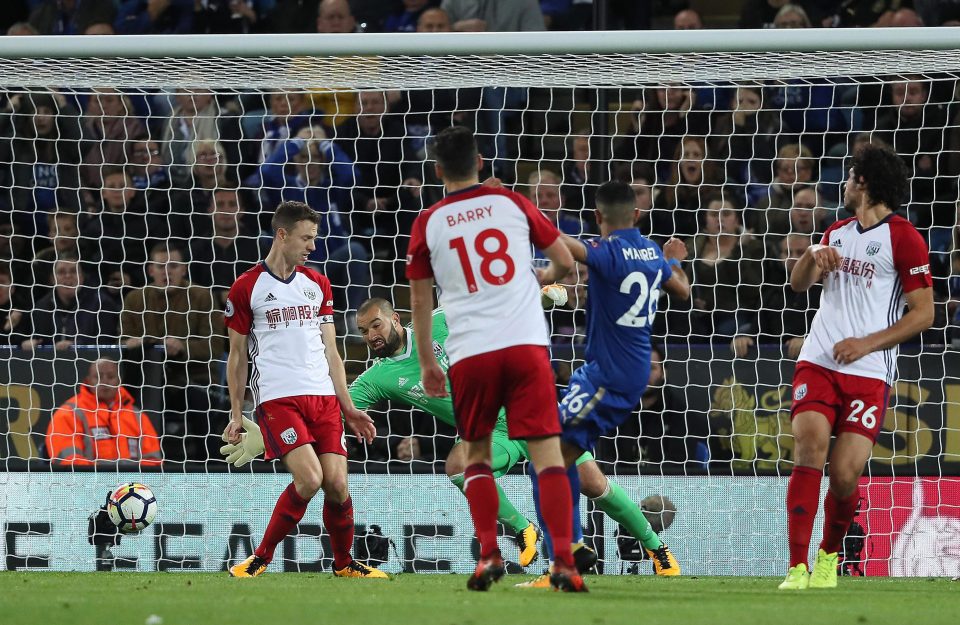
(138, 177)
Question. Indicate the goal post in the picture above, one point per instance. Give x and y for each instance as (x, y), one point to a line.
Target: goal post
(119, 153)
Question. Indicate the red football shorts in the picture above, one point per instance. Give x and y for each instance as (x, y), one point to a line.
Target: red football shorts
(517, 378)
(851, 403)
(289, 422)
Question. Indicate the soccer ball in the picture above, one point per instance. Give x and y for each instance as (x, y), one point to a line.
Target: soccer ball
(131, 507)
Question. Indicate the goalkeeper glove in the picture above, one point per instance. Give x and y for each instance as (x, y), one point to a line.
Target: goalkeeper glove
(553, 295)
(249, 447)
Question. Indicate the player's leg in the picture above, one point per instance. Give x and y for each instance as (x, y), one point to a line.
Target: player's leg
(811, 433)
(501, 462)
(287, 437)
(331, 448)
(303, 465)
(476, 393)
(609, 497)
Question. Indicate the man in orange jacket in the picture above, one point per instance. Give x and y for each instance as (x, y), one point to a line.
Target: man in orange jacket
(100, 424)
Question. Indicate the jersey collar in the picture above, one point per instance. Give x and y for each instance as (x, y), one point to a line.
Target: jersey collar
(861, 229)
(276, 277)
(408, 351)
(473, 187)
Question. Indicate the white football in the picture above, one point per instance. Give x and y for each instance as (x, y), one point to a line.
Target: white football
(131, 507)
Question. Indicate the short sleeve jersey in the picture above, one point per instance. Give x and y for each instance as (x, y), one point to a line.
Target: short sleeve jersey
(879, 265)
(397, 378)
(626, 273)
(476, 244)
(282, 319)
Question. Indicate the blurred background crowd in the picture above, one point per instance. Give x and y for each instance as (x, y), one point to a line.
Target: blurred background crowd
(125, 215)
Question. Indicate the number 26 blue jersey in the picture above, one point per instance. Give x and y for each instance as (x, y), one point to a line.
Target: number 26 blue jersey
(626, 271)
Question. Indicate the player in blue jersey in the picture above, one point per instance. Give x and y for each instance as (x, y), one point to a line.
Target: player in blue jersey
(627, 274)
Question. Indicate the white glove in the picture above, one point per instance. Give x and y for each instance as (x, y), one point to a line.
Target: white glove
(553, 295)
(249, 447)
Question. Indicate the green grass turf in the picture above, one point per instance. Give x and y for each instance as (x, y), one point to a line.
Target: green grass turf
(290, 599)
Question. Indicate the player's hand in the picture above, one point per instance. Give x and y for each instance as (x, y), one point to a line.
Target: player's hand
(434, 381)
(553, 295)
(360, 424)
(794, 346)
(827, 257)
(740, 345)
(249, 445)
(675, 249)
(233, 432)
(492, 181)
(850, 350)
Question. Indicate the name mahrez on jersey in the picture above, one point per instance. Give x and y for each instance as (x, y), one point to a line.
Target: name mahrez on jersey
(644, 253)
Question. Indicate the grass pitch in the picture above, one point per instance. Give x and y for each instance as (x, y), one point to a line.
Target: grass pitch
(291, 599)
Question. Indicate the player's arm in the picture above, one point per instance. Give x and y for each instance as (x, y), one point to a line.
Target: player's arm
(358, 421)
(816, 261)
(678, 284)
(237, 361)
(577, 249)
(421, 304)
(918, 318)
(561, 261)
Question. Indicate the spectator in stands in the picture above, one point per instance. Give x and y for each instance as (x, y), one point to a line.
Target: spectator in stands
(791, 16)
(389, 176)
(289, 112)
(209, 170)
(74, 313)
(101, 426)
(232, 249)
(693, 179)
(687, 19)
(65, 242)
(22, 29)
(14, 323)
(662, 117)
(726, 272)
(312, 169)
(118, 233)
(665, 432)
(642, 185)
(180, 318)
(100, 28)
(544, 188)
(146, 166)
(13, 255)
(763, 13)
(917, 130)
(157, 17)
(404, 19)
(70, 17)
(108, 123)
(434, 20)
(292, 16)
(335, 16)
(809, 215)
(794, 166)
(577, 193)
(229, 16)
(494, 15)
(40, 138)
(901, 18)
(743, 136)
(785, 315)
(337, 105)
(197, 117)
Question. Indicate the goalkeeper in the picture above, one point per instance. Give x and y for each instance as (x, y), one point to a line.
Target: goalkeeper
(396, 376)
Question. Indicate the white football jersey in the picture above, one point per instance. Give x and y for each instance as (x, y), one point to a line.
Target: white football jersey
(879, 265)
(476, 244)
(282, 319)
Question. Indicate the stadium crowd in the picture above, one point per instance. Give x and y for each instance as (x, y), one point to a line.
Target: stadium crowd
(126, 214)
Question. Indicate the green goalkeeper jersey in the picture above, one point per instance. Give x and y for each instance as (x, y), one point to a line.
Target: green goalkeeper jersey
(397, 378)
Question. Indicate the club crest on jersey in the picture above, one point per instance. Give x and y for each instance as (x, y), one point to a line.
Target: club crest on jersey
(800, 392)
(289, 436)
(873, 247)
(310, 293)
(228, 309)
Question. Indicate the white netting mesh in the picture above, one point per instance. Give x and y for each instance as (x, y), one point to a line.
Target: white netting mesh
(193, 154)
